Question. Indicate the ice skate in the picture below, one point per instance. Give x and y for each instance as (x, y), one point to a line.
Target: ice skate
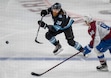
(58, 49)
(102, 68)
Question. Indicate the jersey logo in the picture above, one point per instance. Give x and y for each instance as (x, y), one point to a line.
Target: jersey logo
(58, 22)
(91, 32)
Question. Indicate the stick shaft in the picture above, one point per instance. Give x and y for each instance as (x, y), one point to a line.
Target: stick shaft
(56, 65)
(38, 32)
(39, 28)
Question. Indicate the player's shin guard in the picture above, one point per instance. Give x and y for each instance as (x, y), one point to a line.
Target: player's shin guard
(58, 47)
(103, 66)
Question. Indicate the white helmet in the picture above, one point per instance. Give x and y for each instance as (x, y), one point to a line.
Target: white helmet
(87, 19)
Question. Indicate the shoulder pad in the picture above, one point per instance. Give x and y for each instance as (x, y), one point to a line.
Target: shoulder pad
(99, 22)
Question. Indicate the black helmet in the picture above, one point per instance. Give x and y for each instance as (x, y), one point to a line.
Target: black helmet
(56, 6)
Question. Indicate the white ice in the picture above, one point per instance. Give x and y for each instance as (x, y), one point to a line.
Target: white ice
(18, 25)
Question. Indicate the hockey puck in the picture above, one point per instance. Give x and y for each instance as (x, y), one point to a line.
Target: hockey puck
(7, 42)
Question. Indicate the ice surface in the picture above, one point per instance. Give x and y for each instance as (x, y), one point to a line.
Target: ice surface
(18, 25)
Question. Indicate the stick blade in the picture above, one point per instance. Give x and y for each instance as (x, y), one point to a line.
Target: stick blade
(35, 74)
(38, 41)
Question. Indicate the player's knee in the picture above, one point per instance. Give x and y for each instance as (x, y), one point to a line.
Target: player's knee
(98, 52)
(48, 36)
(71, 42)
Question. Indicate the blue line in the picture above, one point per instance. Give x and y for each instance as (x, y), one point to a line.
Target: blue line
(47, 59)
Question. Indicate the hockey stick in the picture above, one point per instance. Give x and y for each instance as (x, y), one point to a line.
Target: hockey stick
(36, 74)
(37, 34)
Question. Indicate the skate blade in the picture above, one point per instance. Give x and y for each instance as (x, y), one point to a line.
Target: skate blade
(105, 70)
(60, 50)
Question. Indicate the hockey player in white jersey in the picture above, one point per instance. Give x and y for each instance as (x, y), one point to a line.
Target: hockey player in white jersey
(101, 40)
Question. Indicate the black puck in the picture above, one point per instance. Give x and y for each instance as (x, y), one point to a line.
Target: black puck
(7, 42)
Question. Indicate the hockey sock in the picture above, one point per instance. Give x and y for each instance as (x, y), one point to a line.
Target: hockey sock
(53, 40)
(77, 46)
(102, 60)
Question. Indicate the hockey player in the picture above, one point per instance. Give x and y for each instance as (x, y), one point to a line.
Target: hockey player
(62, 23)
(101, 40)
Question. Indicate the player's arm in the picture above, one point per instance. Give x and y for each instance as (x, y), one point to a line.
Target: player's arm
(89, 47)
(44, 25)
(94, 33)
(45, 12)
(66, 21)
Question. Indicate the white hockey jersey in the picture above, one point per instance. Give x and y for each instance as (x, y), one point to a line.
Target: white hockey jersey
(98, 31)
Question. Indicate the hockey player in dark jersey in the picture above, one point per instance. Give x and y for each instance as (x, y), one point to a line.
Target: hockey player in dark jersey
(62, 23)
(101, 40)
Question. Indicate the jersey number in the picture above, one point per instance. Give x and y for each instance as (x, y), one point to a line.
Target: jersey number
(105, 26)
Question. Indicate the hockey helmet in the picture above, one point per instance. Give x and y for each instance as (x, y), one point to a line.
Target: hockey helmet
(56, 6)
(88, 19)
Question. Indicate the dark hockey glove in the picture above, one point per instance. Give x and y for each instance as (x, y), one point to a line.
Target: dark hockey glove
(43, 12)
(42, 24)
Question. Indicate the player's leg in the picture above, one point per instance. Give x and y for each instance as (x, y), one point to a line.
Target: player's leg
(110, 50)
(70, 39)
(100, 49)
(108, 43)
(103, 64)
(58, 48)
(51, 37)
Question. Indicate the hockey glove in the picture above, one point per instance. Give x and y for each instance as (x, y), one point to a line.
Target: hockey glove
(42, 24)
(87, 49)
(43, 12)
